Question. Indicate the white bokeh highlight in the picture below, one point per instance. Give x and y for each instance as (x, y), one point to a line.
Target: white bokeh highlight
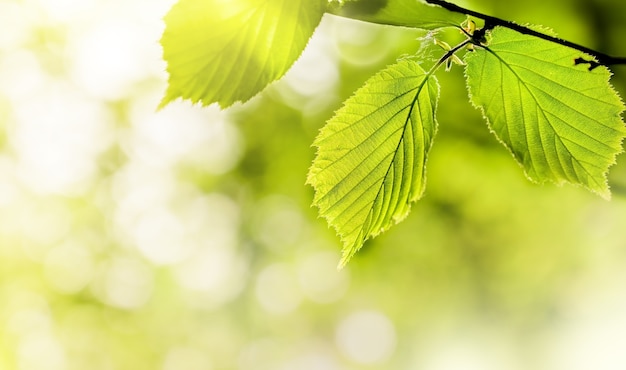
(125, 283)
(57, 136)
(180, 132)
(277, 290)
(366, 337)
(110, 58)
(69, 267)
(320, 280)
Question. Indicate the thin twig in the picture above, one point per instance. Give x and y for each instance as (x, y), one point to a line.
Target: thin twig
(491, 22)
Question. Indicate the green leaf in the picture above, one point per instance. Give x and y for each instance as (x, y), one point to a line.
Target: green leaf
(371, 155)
(407, 13)
(561, 122)
(226, 51)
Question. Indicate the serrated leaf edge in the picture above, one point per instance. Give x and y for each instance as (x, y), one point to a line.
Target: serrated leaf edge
(606, 194)
(349, 251)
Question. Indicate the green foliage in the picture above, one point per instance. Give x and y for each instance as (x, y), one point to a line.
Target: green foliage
(371, 158)
(407, 13)
(561, 121)
(224, 51)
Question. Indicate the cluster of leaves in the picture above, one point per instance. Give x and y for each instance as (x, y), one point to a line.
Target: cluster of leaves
(560, 120)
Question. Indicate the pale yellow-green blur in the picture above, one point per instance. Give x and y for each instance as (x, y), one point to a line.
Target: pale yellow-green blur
(183, 239)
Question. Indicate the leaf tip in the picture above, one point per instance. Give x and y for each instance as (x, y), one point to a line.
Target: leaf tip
(171, 94)
(347, 255)
(164, 102)
(604, 192)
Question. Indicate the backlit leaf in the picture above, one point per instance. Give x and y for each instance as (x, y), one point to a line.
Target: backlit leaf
(560, 121)
(226, 51)
(407, 13)
(371, 156)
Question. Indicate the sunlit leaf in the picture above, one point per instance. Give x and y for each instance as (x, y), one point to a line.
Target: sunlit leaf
(407, 13)
(560, 121)
(371, 156)
(226, 51)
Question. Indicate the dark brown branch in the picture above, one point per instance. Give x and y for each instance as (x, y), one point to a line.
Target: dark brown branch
(491, 22)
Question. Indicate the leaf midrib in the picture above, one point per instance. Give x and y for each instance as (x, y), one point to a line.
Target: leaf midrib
(522, 83)
(425, 78)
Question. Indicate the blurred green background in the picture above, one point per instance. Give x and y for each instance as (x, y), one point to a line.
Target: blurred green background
(184, 239)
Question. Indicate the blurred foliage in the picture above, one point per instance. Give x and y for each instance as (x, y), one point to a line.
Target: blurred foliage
(184, 238)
